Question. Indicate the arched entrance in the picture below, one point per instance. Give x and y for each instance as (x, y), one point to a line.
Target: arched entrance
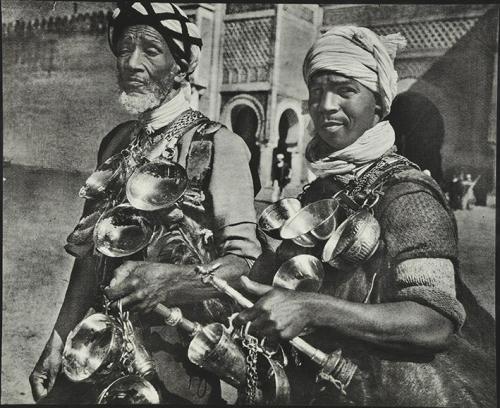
(245, 123)
(288, 138)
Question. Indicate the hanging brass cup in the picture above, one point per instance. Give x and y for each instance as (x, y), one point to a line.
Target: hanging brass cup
(103, 179)
(156, 185)
(354, 241)
(214, 349)
(312, 224)
(275, 215)
(130, 389)
(302, 272)
(93, 349)
(122, 231)
(274, 387)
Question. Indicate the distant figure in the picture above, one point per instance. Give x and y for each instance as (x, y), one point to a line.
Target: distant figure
(419, 129)
(456, 192)
(281, 177)
(469, 198)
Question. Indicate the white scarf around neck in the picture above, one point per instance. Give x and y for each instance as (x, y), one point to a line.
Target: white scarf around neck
(166, 112)
(369, 147)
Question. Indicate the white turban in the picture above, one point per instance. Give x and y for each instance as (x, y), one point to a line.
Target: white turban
(182, 36)
(360, 54)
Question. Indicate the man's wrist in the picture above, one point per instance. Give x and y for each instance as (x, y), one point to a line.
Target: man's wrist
(318, 309)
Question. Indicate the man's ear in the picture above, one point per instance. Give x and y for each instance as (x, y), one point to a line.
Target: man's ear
(180, 74)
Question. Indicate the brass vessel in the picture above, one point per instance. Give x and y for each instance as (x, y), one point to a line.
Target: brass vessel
(302, 272)
(129, 389)
(354, 241)
(312, 224)
(156, 185)
(122, 231)
(275, 215)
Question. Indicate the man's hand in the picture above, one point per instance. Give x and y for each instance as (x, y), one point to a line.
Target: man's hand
(142, 285)
(48, 366)
(280, 314)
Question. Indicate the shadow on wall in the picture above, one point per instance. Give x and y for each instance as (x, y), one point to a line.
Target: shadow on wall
(419, 129)
(463, 98)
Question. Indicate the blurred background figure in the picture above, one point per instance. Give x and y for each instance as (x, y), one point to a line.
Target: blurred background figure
(469, 198)
(281, 177)
(456, 192)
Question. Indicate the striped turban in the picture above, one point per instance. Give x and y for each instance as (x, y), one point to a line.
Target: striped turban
(182, 36)
(360, 54)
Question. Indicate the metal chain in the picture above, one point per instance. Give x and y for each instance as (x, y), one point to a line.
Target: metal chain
(133, 154)
(106, 302)
(328, 377)
(251, 344)
(127, 356)
(296, 358)
(341, 374)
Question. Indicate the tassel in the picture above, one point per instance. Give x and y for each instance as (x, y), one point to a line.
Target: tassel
(394, 43)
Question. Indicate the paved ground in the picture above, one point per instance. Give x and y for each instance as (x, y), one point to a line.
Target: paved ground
(40, 208)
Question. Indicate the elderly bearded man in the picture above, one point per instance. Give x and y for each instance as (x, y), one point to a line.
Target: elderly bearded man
(404, 316)
(156, 48)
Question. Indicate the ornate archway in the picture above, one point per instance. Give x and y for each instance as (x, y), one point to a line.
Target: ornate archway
(239, 102)
(244, 115)
(287, 137)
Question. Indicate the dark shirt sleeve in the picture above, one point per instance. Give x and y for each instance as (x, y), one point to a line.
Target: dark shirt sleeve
(231, 188)
(421, 243)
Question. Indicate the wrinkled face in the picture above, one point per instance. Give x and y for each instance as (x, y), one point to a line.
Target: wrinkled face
(146, 68)
(341, 109)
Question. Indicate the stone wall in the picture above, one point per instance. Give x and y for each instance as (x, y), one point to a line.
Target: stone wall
(59, 91)
(296, 37)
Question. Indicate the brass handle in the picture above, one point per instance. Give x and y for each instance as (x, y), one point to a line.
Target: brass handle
(312, 352)
(173, 317)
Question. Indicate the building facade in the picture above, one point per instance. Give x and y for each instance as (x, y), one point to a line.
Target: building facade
(249, 78)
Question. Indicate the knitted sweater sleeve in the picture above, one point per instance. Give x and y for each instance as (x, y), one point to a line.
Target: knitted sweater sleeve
(421, 244)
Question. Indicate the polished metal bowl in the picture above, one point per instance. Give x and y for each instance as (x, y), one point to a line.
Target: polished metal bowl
(130, 389)
(273, 384)
(103, 178)
(156, 185)
(312, 224)
(93, 349)
(122, 231)
(275, 215)
(354, 241)
(302, 272)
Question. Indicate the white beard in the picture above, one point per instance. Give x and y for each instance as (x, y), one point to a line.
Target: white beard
(153, 96)
(137, 103)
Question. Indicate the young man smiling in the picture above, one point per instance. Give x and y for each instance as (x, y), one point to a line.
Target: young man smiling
(404, 317)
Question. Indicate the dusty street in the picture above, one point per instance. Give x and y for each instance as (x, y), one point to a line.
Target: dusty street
(40, 209)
